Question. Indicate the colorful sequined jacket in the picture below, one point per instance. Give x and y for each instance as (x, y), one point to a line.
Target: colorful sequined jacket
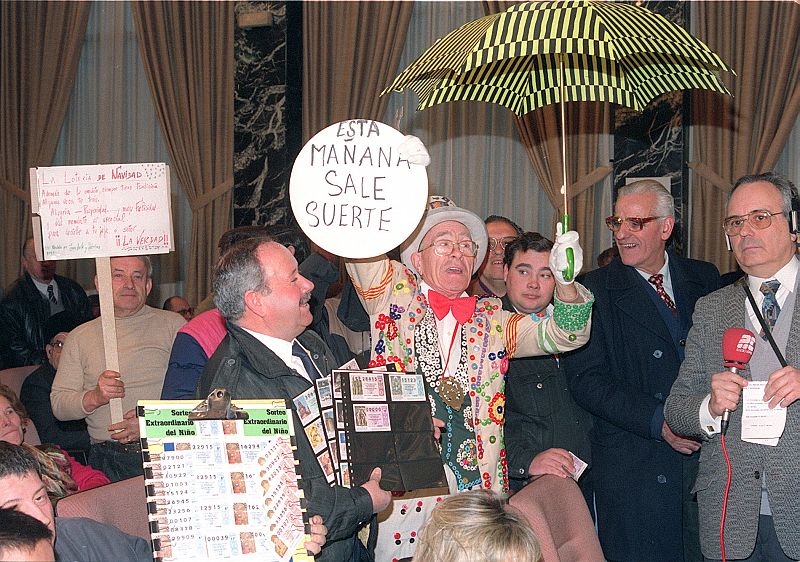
(391, 295)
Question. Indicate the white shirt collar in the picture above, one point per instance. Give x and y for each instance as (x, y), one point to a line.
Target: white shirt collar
(42, 287)
(786, 275)
(281, 348)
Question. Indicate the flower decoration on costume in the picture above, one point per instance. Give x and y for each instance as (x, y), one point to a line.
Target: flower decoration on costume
(497, 408)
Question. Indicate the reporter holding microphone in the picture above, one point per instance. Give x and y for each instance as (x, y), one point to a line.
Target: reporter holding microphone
(762, 522)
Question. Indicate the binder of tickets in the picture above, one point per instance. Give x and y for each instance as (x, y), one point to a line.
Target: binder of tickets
(222, 489)
(384, 419)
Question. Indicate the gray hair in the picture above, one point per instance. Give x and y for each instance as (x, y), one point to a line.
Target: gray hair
(786, 188)
(239, 271)
(665, 203)
(148, 264)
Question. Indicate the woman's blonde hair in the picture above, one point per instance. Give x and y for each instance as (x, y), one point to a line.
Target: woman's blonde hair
(476, 527)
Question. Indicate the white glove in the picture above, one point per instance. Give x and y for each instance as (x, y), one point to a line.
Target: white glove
(558, 255)
(414, 151)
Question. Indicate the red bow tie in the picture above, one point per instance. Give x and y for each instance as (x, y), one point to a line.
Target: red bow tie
(463, 307)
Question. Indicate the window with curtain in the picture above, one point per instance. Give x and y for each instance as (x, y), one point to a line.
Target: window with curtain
(111, 119)
(477, 157)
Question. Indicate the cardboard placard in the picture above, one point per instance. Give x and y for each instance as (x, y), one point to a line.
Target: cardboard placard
(101, 210)
(353, 193)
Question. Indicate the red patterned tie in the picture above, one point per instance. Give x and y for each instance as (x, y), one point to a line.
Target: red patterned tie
(462, 307)
(658, 281)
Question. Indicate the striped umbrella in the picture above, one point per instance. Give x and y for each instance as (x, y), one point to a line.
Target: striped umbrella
(538, 53)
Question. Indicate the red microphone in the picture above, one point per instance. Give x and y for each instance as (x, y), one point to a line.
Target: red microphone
(737, 349)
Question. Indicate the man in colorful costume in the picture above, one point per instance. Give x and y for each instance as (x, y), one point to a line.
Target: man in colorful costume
(463, 345)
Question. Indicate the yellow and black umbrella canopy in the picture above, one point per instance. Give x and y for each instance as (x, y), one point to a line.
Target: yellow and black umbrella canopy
(610, 52)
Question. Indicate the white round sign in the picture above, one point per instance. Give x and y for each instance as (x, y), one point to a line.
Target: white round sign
(353, 193)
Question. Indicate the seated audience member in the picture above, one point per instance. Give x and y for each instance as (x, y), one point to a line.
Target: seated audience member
(489, 280)
(62, 473)
(35, 396)
(543, 423)
(24, 538)
(476, 526)
(76, 539)
(83, 387)
(35, 303)
(179, 305)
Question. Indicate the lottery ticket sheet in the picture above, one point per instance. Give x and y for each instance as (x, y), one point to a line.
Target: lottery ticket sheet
(222, 489)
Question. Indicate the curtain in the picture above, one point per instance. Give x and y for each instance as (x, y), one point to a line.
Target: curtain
(40, 44)
(187, 49)
(746, 133)
(587, 125)
(110, 118)
(350, 53)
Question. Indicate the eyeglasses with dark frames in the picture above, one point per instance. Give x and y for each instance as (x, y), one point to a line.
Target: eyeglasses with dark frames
(468, 248)
(503, 242)
(758, 219)
(634, 224)
(57, 343)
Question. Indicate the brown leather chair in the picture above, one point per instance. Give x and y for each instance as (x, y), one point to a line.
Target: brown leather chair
(557, 511)
(122, 504)
(14, 377)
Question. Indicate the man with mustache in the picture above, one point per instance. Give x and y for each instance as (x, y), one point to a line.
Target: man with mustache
(83, 387)
(643, 470)
(268, 353)
(38, 303)
(543, 423)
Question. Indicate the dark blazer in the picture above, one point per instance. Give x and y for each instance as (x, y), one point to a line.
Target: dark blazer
(749, 462)
(623, 376)
(25, 320)
(249, 369)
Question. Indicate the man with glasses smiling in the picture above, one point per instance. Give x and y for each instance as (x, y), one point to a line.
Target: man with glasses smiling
(490, 277)
(763, 518)
(643, 310)
(423, 321)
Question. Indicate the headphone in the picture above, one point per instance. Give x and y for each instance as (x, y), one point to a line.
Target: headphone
(793, 219)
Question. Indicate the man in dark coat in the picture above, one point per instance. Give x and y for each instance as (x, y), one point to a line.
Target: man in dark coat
(543, 424)
(643, 471)
(269, 354)
(38, 303)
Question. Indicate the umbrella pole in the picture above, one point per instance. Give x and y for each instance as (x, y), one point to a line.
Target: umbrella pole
(570, 270)
(563, 137)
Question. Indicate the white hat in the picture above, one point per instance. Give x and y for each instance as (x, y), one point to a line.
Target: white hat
(441, 209)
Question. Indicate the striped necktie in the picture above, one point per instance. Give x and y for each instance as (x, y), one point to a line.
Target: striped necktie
(51, 296)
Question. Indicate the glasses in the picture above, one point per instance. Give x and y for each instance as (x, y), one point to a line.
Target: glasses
(56, 343)
(503, 242)
(759, 220)
(445, 247)
(634, 224)
(185, 310)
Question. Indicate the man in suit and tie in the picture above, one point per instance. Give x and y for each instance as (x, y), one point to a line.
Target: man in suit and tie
(763, 514)
(268, 353)
(643, 469)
